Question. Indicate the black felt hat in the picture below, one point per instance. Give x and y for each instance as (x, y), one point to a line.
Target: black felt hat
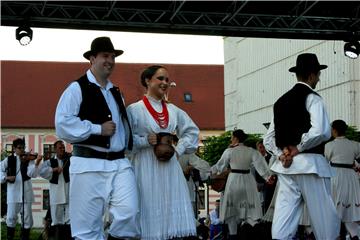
(307, 63)
(102, 44)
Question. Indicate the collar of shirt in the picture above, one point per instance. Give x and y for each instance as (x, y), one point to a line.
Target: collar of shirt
(92, 79)
(305, 85)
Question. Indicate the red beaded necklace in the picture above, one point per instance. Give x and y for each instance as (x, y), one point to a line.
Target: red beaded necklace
(162, 119)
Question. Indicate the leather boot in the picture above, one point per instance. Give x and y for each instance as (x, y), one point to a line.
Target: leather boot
(10, 233)
(66, 230)
(232, 237)
(343, 231)
(57, 232)
(114, 238)
(25, 233)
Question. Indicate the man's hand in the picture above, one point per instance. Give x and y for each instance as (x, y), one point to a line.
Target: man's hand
(286, 158)
(271, 180)
(38, 160)
(108, 128)
(152, 139)
(188, 169)
(58, 170)
(10, 178)
(293, 151)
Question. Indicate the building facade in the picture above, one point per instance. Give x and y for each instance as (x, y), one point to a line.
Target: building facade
(256, 75)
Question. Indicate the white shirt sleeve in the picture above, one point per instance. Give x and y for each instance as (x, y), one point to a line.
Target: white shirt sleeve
(46, 170)
(223, 162)
(3, 165)
(69, 126)
(269, 141)
(139, 141)
(320, 130)
(32, 170)
(187, 132)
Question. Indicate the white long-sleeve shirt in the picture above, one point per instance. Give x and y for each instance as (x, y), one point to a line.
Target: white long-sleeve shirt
(15, 190)
(319, 132)
(59, 193)
(71, 128)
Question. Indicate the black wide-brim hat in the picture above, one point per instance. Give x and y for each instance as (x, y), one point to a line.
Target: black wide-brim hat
(102, 44)
(307, 63)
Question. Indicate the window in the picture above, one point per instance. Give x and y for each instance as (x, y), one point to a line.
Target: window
(49, 149)
(8, 148)
(46, 199)
(187, 97)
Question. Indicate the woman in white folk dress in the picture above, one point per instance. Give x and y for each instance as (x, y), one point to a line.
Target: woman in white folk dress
(165, 206)
(241, 202)
(345, 187)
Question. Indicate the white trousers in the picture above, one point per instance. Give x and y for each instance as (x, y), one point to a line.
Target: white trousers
(294, 190)
(13, 210)
(93, 192)
(59, 214)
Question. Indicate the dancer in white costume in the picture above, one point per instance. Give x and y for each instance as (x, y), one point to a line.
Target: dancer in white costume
(345, 187)
(241, 202)
(165, 206)
(297, 137)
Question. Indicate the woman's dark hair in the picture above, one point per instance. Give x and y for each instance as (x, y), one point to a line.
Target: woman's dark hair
(148, 73)
(340, 126)
(240, 135)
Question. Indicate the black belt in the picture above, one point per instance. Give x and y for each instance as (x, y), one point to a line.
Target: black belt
(341, 165)
(86, 152)
(240, 171)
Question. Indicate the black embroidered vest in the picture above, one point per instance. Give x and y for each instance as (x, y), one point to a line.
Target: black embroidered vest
(95, 109)
(291, 118)
(11, 170)
(55, 176)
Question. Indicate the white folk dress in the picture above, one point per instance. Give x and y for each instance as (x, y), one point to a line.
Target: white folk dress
(165, 206)
(241, 199)
(345, 186)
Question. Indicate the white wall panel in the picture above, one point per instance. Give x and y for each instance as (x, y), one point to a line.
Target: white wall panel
(258, 74)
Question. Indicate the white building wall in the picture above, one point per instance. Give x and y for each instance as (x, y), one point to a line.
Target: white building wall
(256, 75)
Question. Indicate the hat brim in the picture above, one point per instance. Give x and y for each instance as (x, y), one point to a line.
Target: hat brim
(294, 69)
(90, 53)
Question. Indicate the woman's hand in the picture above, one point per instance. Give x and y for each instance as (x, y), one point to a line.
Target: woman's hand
(152, 139)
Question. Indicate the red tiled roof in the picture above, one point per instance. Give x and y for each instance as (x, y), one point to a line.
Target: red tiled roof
(30, 90)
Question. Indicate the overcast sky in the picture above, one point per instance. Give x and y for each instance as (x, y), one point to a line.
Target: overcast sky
(68, 46)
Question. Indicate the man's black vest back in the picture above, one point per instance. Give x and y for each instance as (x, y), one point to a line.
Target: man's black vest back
(54, 164)
(95, 109)
(292, 119)
(11, 170)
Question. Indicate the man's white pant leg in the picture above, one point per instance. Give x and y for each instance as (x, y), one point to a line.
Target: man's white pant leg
(124, 205)
(321, 208)
(87, 204)
(288, 208)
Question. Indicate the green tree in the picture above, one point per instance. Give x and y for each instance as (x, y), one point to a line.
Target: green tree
(353, 134)
(215, 146)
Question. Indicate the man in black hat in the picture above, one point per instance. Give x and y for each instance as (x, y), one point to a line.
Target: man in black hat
(91, 115)
(296, 137)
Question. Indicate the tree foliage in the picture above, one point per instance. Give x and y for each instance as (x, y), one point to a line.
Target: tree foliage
(215, 146)
(353, 134)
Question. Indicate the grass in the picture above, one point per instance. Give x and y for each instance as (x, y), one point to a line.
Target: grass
(34, 233)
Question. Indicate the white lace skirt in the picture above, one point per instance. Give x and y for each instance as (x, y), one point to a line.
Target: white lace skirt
(241, 200)
(165, 207)
(345, 189)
